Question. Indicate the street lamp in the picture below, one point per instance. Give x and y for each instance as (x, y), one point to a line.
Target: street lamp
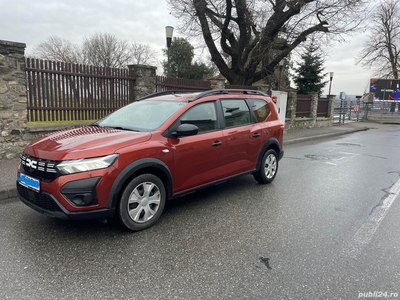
(330, 81)
(169, 30)
(281, 63)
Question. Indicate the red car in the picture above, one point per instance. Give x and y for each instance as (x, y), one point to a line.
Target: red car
(160, 147)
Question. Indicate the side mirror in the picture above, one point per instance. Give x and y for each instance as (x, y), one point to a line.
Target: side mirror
(274, 99)
(186, 130)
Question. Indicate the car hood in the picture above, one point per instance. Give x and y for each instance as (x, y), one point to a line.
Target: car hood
(81, 142)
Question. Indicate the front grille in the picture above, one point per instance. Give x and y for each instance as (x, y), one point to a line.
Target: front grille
(38, 199)
(44, 170)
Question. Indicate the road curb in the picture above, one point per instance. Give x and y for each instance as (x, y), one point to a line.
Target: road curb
(321, 136)
(8, 192)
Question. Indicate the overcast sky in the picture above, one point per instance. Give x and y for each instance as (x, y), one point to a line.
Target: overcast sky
(32, 21)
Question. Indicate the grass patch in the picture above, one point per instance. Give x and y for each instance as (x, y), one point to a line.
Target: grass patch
(61, 123)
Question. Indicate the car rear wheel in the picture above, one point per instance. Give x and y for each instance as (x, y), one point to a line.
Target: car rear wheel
(142, 202)
(269, 167)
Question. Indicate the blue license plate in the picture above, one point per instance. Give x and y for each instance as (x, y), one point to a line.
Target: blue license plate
(29, 182)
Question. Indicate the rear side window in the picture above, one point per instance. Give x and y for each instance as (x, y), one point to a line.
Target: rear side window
(260, 109)
(236, 112)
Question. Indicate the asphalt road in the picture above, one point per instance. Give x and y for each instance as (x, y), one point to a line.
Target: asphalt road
(326, 228)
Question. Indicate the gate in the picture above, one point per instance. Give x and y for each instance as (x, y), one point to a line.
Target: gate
(387, 111)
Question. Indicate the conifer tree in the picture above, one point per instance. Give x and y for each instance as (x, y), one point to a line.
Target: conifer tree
(308, 75)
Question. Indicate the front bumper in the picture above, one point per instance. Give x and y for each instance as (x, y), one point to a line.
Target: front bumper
(47, 204)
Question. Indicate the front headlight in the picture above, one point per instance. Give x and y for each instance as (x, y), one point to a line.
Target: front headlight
(86, 164)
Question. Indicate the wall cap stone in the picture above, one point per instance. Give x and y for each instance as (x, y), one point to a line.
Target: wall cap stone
(14, 44)
(143, 67)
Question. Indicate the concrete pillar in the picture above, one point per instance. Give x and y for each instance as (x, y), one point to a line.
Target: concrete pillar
(314, 108)
(291, 109)
(314, 105)
(13, 98)
(145, 80)
(331, 106)
(263, 88)
(217, 83)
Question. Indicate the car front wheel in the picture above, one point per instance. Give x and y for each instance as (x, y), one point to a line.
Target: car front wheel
(268, 168)
(142, 202)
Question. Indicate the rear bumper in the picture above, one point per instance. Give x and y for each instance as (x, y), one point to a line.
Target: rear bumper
(48, 205)
(281, 154)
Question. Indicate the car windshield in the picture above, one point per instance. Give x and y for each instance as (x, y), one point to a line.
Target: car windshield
(145, 115)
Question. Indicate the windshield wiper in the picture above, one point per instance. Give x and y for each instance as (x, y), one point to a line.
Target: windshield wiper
(114, 127)
(121, 128)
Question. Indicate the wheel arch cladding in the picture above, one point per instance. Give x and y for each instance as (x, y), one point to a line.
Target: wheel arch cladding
(136, 168)
(272, 143)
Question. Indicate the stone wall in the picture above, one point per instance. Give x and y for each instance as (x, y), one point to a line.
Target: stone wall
(13, 99)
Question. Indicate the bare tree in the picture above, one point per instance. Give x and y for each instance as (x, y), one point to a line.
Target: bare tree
(381, 52)
(101, 49)
(248, 38)
(105, 50)
(58, 49)
(142, 54)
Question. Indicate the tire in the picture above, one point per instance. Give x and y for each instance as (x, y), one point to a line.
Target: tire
(268, 168)
(142, 202)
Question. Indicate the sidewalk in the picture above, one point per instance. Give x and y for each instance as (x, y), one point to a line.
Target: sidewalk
(8, 167)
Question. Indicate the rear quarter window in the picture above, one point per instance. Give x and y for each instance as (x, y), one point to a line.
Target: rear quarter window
(261, 109)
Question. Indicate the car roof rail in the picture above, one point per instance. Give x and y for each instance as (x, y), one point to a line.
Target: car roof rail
(169, 92)
(226, 91)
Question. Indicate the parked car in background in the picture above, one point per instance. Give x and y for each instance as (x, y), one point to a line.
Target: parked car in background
(165, 145)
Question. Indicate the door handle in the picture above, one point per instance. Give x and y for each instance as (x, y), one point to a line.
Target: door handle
(216, 143)
(256, 134)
